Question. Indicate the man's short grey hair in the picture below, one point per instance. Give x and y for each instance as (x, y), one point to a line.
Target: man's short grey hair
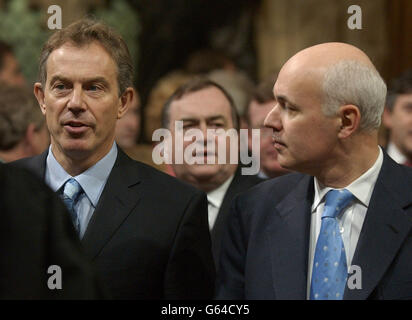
(351, 82)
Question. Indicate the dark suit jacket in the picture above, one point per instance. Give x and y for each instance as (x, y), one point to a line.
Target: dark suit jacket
(149, 235)
(36, 233)
(240, 183)
(265, 251)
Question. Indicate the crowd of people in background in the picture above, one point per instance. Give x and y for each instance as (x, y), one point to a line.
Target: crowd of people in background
(138, 230)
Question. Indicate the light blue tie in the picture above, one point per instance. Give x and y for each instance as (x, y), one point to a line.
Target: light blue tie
(71, 194)
(329, 272)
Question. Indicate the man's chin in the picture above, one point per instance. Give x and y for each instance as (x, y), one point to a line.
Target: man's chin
(405, 148)
(204, 171)
(74, 149)
(274, 168)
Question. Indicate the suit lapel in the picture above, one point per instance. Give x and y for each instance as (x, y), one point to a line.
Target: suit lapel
(385, 228)
(120, 195)
(288, 238)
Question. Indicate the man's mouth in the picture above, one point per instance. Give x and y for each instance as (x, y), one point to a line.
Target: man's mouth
(75, 127)
(277, 143)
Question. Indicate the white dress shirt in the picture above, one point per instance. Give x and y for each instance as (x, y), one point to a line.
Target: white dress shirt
(262, 175)
(214, 199)
(350, 219)
(395, 153)
(92, 182)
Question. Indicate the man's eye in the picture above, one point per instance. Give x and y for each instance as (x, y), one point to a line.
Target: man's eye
(60, 86)
(408, 108)
(289, 108)
(93, 88)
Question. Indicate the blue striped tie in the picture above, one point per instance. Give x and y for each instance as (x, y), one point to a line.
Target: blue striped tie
(71, 194)
(329, 271)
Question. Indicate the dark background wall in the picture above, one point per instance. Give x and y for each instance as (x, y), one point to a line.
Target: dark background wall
(173, 29)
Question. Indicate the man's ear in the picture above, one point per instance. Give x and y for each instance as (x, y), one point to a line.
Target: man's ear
(349, 117)
(125, 101)
(39, 93)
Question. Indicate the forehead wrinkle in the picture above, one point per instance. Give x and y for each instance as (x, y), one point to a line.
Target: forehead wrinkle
(80, 79)
(103, 62)
(186, 109)
(200, 118)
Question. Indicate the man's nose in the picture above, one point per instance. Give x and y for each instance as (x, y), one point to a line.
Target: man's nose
(203, 128)
(273, 119)
(76, 103)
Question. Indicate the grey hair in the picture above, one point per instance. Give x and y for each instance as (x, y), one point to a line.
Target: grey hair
(351, 82)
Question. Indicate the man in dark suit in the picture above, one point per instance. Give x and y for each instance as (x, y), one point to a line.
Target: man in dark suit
(36, 238)
(146, 231)
(203, 104)
(397, 118)
(342, 227)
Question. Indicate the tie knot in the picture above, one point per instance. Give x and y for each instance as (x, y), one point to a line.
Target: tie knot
(336, 201)
(72, 189)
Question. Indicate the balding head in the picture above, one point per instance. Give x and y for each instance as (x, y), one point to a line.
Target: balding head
(341, 74)
(324, 55)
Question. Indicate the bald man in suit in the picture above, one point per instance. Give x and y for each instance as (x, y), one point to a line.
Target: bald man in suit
(301, 236)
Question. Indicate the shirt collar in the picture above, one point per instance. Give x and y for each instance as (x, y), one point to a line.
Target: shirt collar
(361, 188)
(215, 197)
(262, 175)
(394, 152)
(92, 180)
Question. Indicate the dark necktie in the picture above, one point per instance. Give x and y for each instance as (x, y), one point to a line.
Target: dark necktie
(71, 194)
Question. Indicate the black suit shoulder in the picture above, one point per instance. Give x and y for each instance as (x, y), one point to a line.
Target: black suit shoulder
(163, 180)
(239, 184)
(36, 230)
(246, 181)
(36, 165)
(147, 223)
(275, 188)
(160, 188)
(252, 208)
(163, 233)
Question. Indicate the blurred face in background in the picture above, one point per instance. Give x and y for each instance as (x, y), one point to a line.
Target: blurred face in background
(40, 139)
(205, 109)
(10, 72)
(269, 164)
(399, 122)
(128, 127)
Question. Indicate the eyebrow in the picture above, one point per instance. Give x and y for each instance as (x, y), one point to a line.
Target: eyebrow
(64, 79)
(207, 119)
(283, 98)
